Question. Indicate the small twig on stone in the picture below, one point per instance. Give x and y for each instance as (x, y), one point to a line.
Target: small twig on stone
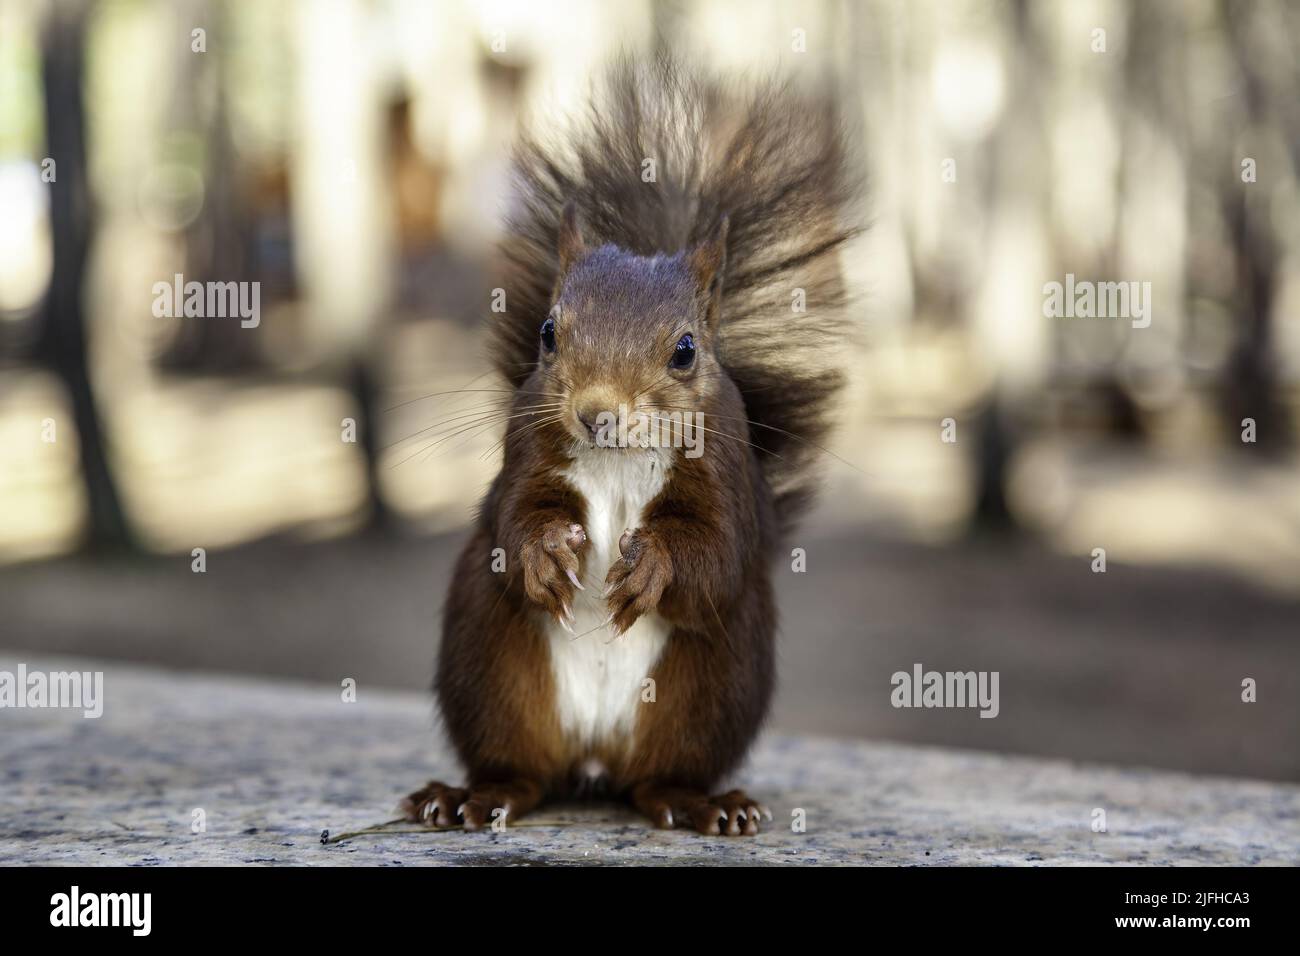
(385, 827)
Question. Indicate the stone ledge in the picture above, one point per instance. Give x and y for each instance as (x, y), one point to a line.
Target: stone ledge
(272, 764)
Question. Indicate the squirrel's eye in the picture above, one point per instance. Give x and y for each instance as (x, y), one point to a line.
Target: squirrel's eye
(684, 353)
(548, 334)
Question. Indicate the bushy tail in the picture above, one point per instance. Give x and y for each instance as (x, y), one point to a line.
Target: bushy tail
(774, 162)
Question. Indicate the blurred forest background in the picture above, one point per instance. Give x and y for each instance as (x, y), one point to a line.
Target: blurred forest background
(351, 157)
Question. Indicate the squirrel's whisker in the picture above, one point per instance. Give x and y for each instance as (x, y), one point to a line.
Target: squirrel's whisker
(481, 422)
(714, 431)
(479, 427)
(483, 409)
(515, 435)
(750, 421)
(482, 414)
(465, 391)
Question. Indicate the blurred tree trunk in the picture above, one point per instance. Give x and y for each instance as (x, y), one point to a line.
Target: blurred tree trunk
(1250, 389)
(62, 341)
(996, 426)
(365, 391)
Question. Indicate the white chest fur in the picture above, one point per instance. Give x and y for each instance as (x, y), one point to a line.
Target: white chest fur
(598, 677)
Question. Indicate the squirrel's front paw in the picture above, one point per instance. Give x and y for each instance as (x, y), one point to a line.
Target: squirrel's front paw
(551, 566)
(636, 581)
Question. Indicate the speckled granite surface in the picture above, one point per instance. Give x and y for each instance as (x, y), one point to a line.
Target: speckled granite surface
(273, 764)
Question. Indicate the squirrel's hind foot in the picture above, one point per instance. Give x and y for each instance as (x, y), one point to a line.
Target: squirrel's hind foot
(438, 805)
(728, 814)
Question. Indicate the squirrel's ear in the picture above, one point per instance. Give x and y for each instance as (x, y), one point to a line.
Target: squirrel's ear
(708, 261)
(570, 244)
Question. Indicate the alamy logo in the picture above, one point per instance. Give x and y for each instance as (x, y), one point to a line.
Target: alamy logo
(65, 689)
(923, 688)
(625, 429)
(210, 300)
(1098, 300)
(103, 909)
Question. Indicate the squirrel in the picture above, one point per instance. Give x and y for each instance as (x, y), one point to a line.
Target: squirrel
(655, 263)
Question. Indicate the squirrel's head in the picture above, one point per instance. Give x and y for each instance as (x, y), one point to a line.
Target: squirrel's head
(631, 339)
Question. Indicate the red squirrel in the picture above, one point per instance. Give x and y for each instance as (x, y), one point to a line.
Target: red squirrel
(677, 254)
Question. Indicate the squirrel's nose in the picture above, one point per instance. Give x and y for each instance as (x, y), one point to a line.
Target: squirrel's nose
(594, 409)
(589, 417)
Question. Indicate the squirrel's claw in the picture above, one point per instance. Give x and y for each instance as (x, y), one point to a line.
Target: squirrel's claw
(636, 581)
(551, 566)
